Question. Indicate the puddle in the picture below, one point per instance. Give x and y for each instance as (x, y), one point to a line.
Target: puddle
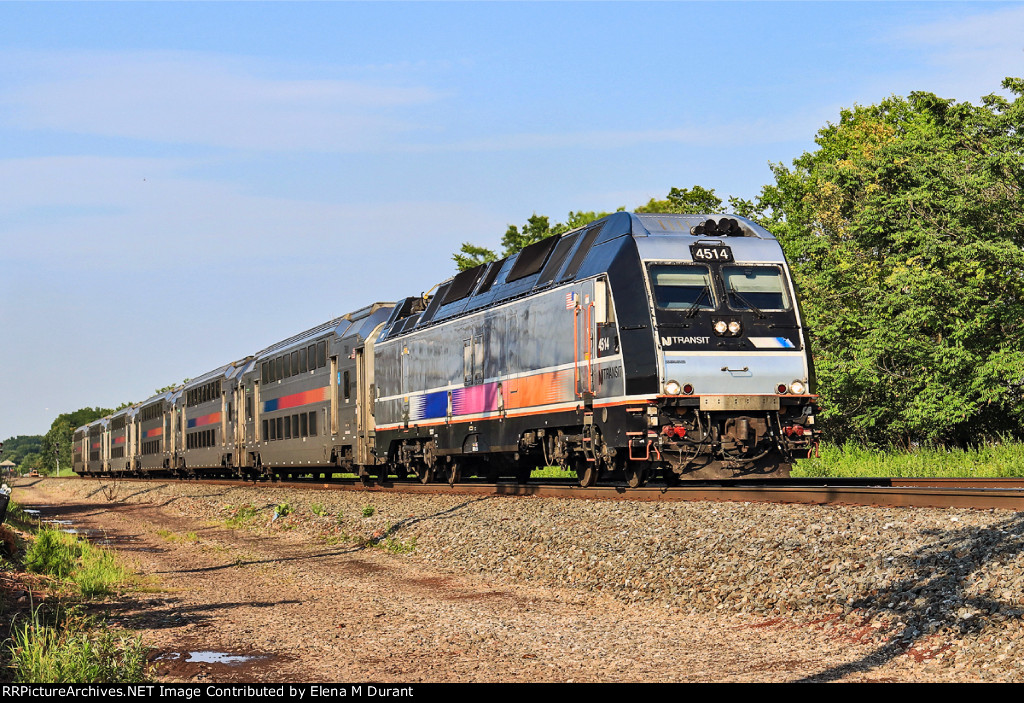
(208, 657)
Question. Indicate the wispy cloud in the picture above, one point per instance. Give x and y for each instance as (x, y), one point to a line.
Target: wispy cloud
(188, 98)
(967, 56)
(731, 134)
(107, 214)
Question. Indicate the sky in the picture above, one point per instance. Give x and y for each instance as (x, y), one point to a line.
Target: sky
(183, 184)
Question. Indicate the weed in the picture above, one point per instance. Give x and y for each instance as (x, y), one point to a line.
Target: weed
(241, 516)
(168, 535)
(192, 537)
(383, 540)
(74, 649)
(318, 509)
(396, 546)
(92, 570)
(282, 510)
(368, 510)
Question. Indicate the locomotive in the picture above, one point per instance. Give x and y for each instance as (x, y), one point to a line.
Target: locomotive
(638, 346)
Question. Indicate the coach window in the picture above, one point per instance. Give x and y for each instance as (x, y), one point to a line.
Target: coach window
(304, 424)
(312, 424)
(295, 426)
(302, 361)
(478, 359)
(321, 354)
(295, 362)
(279, 373)
(347, 387)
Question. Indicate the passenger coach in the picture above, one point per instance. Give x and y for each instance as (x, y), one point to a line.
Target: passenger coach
(638, 345)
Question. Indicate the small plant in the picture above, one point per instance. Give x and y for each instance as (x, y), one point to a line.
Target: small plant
(368, 510)
(241, 516)
(396, 546)
(282, 510)
(192, 537)
(168, 535)
(318, 509)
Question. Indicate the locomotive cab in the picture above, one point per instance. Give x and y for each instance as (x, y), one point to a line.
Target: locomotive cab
(734, 397)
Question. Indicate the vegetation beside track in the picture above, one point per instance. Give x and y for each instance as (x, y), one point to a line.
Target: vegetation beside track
(50, 579)
(1000, 460)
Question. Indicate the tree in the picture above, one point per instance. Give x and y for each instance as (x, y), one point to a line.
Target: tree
(537, 227)
(905, 232)
(57, 442)
(696, 200)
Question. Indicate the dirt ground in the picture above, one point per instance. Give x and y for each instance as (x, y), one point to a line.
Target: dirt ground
(241, 605)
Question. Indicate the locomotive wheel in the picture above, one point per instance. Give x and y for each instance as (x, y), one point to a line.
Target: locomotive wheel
(636, 473)
(425, 473)
(587, 472)
(454, 473)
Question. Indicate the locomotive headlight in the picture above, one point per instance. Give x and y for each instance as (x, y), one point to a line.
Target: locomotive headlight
(721, 327)
(673, 388)
(797, 388)
(735, 328)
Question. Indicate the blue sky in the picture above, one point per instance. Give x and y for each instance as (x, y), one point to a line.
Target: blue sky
(182, 184)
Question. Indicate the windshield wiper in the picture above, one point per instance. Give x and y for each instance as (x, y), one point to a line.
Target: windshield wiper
(696, 303)
(757, 311)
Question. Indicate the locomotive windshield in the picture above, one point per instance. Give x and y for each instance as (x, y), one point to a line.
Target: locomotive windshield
(755, 288)
(682, 287)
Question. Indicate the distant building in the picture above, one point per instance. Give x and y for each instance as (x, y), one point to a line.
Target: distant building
(7, 468)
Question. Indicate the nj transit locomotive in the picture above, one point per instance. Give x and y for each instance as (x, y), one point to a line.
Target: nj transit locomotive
(638, 345)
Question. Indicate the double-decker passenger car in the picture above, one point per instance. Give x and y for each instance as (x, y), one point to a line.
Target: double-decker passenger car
(638, 345)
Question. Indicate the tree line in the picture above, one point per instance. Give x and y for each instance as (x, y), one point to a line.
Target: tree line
(904, 230)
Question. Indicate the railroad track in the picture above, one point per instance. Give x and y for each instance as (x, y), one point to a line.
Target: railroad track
(980, 494)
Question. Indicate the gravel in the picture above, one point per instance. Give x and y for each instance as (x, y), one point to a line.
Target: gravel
(943, 590)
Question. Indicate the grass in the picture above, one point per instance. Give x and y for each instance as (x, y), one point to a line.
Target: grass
(241, 516)
(1002, 460)
(368, 510)
(396, 546)
(74, 649)
(93, 571)
(63, 644)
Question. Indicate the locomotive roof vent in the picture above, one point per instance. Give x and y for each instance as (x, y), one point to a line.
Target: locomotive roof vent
(725, 227)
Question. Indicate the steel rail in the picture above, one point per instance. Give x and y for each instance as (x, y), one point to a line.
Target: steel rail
(979, 494)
